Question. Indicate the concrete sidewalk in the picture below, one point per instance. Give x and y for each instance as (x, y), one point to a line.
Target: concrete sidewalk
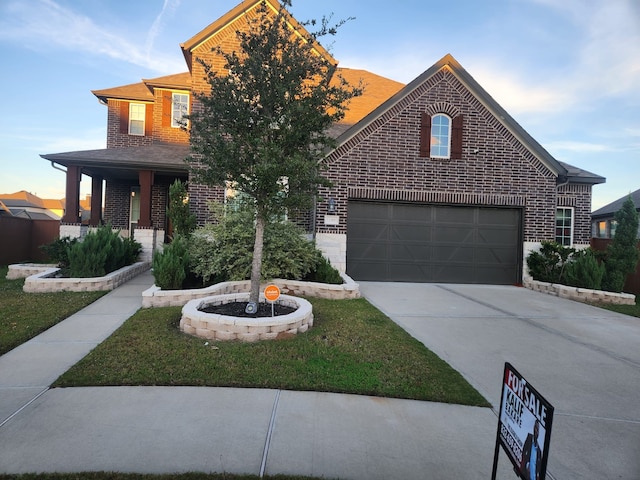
(168, 429)
(584, 360)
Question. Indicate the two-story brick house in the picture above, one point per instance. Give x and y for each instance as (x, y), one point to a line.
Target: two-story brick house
(433, 181)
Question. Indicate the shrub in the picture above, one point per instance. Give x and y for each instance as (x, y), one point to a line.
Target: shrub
(622, 254)
(182, 220)
(549, 263)
(171, 265)
(584, 270)
(225, 250)
(100, 252)
(58, 251)
(324, 272)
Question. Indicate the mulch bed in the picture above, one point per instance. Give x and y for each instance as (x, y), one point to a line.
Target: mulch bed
(237, 309)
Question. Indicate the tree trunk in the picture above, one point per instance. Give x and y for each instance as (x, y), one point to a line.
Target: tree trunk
(256, 266)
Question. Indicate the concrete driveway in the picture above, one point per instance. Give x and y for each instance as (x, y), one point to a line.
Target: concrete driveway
(584, 360)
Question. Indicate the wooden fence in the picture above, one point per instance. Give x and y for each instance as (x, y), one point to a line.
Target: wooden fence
(632, 284)
(21, 238)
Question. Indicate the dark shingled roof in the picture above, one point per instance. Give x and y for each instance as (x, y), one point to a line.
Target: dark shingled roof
(125, 162)
(613, 207)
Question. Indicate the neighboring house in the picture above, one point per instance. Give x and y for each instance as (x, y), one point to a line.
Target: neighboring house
(433, 181)
(23, 204)
(603, 224)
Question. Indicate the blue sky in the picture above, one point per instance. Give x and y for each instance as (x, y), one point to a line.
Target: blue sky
(568, 71)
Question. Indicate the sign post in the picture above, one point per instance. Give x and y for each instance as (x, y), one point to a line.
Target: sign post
(524, 427)
(271, 294)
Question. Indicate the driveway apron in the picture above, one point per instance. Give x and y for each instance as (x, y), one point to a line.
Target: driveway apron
(584, 360)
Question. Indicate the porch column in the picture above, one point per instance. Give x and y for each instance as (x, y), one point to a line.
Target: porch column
(146, 182)
(72, 195)
(96, 201)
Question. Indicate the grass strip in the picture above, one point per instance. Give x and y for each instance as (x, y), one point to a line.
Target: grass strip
(25, 315)
(352, 348)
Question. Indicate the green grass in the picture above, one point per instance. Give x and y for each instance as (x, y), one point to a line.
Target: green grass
(352, 348)
(632, 310)
(25, 315)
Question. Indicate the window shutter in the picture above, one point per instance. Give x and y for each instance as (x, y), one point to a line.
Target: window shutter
(456, 138)
(166, 108)
(148, 120)
(124, 117)
(425, 135)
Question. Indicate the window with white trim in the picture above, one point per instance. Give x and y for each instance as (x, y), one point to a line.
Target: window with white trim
(564, 226)
(137, 113)
(179, 109)
(440, 136)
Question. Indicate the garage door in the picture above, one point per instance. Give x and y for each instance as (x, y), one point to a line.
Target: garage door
(433, 243)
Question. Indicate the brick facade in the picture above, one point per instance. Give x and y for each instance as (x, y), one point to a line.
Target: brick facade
(383, 162)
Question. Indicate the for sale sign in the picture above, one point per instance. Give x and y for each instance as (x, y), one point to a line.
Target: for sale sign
(524, 426)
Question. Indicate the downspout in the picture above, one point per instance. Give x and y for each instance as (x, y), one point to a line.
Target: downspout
(53, 165)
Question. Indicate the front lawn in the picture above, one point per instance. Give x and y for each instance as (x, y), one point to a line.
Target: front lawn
(352, 348)
(25, 315)
(632, 310)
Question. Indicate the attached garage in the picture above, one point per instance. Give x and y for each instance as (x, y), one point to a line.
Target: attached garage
(407, 242)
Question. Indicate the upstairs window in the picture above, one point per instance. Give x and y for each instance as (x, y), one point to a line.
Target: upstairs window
(179, 109)
(441, 136)
(564, 226)
(137, 113)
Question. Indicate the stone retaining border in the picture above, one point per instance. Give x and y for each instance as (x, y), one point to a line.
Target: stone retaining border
(584, 295)
(212, 326)
(46, 281)
(156, 297)
(24, 270)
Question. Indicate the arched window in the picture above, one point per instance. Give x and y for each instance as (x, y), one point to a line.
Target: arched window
(440, 136)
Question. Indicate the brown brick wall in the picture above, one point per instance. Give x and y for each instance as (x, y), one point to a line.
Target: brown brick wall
(163, 132)
(117, 139)
(578, 197)
(384, 158)
(117, 204)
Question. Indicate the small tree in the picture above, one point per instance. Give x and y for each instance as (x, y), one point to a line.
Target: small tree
(263, 128)
(182, 220)
(622, 253)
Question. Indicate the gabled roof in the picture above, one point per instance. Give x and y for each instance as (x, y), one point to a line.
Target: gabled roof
(451, 64)
(22, 199)
(143, 91)
(177, 81)
(133, 91)
(234, 15)
(377, 89)
(613, 207)
(26, 205)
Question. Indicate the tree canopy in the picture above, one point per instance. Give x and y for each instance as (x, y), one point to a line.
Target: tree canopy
(263, 128)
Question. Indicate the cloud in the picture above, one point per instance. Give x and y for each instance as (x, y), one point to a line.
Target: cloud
(45, 24)
(169, 7)
(608, 61)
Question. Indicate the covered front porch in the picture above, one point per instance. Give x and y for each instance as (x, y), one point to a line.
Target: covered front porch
(129, 190)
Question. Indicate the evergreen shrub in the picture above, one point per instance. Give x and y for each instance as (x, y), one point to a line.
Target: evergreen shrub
(584, 270)
(101, 252)
(170, 267)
